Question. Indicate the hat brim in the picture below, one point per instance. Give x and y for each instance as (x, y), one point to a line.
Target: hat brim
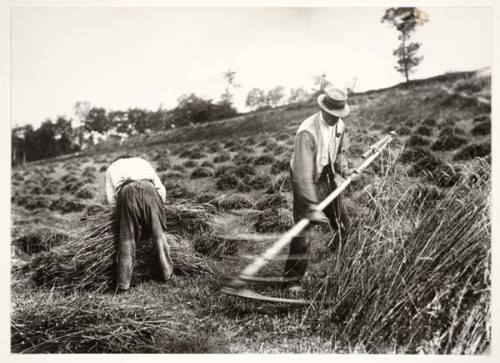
(339, 113)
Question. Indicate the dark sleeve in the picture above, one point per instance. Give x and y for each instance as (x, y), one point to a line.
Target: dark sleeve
(340, 165)
(303, 168)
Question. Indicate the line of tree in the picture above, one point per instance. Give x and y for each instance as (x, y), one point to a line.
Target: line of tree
(59, 137)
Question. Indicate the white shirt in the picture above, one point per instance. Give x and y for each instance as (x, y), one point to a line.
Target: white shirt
(328, 138)
(130, 169)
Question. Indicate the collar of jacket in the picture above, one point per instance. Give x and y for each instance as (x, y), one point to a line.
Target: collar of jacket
(322, 135)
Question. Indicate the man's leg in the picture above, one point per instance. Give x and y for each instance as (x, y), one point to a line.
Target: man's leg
(339, 220)
(125, 253)
(154, 216)
(163, 252)
(296, 264)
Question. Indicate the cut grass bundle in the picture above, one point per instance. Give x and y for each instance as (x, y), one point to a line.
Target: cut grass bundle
(418, 140)
(242, 158)
(280, 184)
(449, 131)
(414, 154)
(280, 166)
(471, 151)
(234, 201)
(404, 130)
(87, 262)
(481, 129)
(274, 221)
(39, 239)
(430, 122)
(222, 157)
(271, 201)
(215, 246)
(227, 182)
(100, 324)
(255, 182)
(425, 165)
(190, 163)
(202, 172)
(31, 202)
(65, 204)
(448, 142)
(86, 192)
(482, 118)
(176, 190)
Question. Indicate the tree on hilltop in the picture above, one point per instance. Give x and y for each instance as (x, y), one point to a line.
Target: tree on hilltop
(405, 20)
(275, 95)
(229, 77)
(298, 95)
(256, 99)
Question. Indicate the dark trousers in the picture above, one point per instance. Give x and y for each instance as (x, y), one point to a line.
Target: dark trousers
(140, 213)
(296, 263)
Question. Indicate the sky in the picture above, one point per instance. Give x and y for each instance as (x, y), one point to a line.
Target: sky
(119, 58)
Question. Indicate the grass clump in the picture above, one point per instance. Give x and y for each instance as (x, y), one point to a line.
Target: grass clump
(418, 140)
(404, 130)
(448, 142)
(227, 182)
(271, 201)
(85, 192)
(426, 164)
(38, 240)
(280, 166)
(215, 246)
(72, 324)
(65, 204)
(429, 122)
(273, 221)
(423, 130)
(176, 190)
(280, 184)
(257, 182)
(481, 129)
(190, 164)
(234, 201)
(482, 118)
(202, 172)
(222, 157)
(474, 150)
(179, 167)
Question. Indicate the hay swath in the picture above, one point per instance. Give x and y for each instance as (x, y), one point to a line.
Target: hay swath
(237, 286)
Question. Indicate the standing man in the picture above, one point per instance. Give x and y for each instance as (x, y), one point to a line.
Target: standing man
(318, 157)
(134, 186)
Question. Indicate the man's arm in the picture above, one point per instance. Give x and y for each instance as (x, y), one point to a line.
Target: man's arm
(110, 189)
(303, 168)
(340, 165)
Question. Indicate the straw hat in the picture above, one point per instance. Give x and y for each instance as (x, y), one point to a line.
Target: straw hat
(333, 101)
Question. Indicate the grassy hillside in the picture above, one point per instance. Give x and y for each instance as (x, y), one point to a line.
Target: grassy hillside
(413, 277)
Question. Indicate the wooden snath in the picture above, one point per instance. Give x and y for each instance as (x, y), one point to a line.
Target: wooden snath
(238, 286)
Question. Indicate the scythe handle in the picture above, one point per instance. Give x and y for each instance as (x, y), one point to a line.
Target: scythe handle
(286, 238)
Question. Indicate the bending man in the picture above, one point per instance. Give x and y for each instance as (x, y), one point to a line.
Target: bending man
(134, 186)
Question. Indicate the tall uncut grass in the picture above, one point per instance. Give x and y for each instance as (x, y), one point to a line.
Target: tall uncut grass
(413, 279)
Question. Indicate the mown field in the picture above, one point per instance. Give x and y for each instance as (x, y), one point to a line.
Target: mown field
(414, 277)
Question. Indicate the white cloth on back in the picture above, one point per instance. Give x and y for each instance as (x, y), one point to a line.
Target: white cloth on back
(327, 139)
(130, 169)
